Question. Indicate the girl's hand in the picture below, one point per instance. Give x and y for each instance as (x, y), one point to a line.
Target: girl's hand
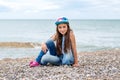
(44, 47)
(75, 65)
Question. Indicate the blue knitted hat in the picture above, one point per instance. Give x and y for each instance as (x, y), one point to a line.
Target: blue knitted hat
(61, 20)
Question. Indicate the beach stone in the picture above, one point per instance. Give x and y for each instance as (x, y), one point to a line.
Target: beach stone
(100, 65)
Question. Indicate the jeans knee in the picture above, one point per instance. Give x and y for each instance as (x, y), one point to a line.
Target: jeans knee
(51, 47)
(50, 43)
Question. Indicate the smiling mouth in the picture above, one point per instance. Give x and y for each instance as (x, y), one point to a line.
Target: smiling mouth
(62, 32)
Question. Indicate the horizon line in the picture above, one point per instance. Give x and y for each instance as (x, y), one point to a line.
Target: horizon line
(55, 19)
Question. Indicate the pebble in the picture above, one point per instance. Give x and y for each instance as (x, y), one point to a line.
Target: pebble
(102, 66)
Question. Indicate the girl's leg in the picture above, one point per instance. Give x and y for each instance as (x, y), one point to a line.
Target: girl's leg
(51, 48)
(51, 55)
(48, 58)
(38, 59)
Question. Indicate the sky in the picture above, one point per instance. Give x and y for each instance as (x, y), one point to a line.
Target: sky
(52, 9)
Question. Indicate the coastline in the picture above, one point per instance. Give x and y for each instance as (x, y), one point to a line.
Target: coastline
(98, 65)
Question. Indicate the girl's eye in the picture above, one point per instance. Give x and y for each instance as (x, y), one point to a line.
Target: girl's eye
(64, 26)
(59, 27)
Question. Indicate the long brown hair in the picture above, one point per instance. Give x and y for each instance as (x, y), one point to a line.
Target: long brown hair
(67, 43)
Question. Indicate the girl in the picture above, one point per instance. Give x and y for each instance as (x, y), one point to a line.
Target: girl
(60, 49)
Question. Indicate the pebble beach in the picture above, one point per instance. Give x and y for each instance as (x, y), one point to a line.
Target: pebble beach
(97, 44)
(99, 65)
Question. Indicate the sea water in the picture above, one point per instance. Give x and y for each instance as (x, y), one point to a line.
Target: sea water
(91, 35)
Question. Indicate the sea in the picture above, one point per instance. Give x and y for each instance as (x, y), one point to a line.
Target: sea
(91, 35)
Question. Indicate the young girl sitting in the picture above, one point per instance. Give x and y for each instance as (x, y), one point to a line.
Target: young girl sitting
(60, 49)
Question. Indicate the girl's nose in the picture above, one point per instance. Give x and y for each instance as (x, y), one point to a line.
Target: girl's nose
(62, 29)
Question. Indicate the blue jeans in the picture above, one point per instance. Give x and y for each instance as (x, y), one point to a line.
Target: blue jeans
(51, 56)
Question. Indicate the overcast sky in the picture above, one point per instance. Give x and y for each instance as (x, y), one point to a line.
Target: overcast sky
(52, 9)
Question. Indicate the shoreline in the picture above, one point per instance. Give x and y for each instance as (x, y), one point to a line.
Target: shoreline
(98, 65)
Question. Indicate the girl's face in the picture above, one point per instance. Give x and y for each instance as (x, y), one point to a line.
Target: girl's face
(62, 28)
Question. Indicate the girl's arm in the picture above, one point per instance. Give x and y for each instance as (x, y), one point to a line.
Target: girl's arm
(73, 42)
(53, 37)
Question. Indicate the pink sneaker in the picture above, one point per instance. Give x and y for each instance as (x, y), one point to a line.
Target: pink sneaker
(31, 62)
(34, 64)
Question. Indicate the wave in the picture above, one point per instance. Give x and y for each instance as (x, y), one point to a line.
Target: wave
(20, 44)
